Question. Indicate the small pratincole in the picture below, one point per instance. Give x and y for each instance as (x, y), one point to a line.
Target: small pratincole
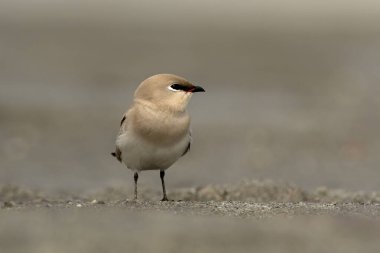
(155, 131)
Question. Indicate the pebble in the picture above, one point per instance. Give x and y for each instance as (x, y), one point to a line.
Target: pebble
(100, 202)
(8, 204)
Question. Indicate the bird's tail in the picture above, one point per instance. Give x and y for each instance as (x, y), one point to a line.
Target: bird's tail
(117, 154)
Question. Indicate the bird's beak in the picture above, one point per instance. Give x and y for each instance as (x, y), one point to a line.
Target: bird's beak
(196, 89)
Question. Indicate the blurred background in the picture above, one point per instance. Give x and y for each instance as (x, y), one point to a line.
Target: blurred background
(292, 90)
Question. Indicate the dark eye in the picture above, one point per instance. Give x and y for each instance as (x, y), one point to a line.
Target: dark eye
(177, 86)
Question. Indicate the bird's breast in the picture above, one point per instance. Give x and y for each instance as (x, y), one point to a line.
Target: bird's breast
(160, 128)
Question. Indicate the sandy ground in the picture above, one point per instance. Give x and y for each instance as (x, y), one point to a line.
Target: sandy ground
(191, 227)
(286, 219)
(121, 230)
(110, 229)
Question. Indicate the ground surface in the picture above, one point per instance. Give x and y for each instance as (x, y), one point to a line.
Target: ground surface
(191, 227)
(285, 219)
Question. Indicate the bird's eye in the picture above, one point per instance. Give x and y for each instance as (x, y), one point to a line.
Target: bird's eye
(176, 87)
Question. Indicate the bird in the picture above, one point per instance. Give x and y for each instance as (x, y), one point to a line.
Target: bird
(155, 131)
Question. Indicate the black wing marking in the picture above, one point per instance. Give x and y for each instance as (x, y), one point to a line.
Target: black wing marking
(117, 154)
(122, 120)
(187, 148)
(188, 145)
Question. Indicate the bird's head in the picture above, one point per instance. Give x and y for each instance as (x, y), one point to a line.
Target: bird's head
(167, 92)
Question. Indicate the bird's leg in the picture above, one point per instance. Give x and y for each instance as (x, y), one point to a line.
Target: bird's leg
(162, 175)
(136, 177)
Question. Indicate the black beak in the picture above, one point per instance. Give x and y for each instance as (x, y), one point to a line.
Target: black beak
(197, 89)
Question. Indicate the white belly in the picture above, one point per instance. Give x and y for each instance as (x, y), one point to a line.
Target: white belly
(138, 154)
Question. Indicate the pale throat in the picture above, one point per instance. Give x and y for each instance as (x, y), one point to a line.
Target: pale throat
(178, 104)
